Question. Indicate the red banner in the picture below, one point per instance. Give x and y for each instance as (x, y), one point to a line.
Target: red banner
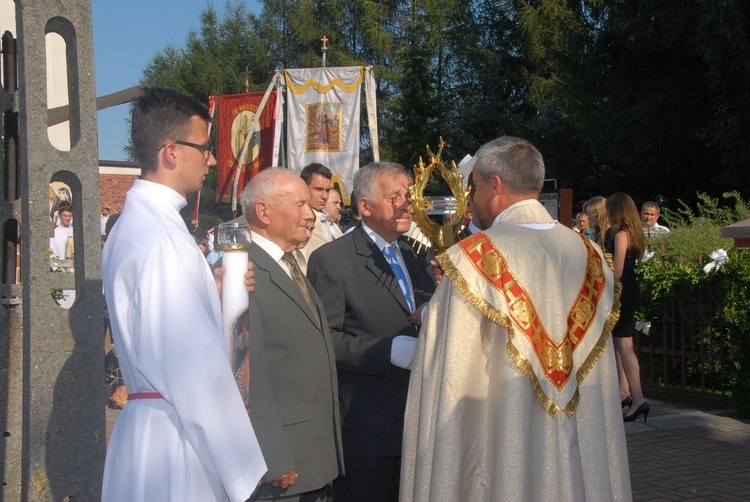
(234, 116)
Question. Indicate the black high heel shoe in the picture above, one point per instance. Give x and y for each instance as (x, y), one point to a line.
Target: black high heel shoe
(628, 401)
(644, 408)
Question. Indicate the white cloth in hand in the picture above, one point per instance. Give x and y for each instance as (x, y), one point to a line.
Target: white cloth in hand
(402, 351)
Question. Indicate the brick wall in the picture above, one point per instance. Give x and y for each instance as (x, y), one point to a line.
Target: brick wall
(113, 188)
(115, 179)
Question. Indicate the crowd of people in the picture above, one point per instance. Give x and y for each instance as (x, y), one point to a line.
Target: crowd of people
(625, 234)
(371, 371)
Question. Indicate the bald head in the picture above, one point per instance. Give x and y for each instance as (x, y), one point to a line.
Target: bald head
(275, 204)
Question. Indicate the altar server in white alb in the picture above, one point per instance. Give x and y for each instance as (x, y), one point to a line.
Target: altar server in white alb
(185, 434)
(513, 392)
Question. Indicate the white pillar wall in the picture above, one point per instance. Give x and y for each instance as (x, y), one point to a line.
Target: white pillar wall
(57, 76)
(57, 89)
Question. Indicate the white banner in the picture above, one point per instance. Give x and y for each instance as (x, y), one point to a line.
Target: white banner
(323, 119)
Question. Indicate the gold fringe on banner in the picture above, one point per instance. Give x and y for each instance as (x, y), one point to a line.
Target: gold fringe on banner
(322, 89)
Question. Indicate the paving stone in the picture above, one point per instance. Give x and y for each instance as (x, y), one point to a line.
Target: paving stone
(697, 457)
(689, 454)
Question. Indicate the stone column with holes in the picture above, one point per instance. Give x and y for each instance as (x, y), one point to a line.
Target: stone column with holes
(52, 392)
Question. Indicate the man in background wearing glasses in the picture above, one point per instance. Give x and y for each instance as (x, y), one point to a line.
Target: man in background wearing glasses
(185, 433)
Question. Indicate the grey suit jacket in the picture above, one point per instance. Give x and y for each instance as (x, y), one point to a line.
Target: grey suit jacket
(366, 309)
(293, 388)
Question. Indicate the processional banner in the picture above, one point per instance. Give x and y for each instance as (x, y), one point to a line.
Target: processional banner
(323, 120)
(235, 116)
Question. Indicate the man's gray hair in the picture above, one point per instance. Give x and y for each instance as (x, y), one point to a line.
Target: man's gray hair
(651, 203)
(365, 180)
(516, 162)
(261, 187)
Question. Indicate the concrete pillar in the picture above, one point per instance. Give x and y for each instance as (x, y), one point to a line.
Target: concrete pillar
(52, 394)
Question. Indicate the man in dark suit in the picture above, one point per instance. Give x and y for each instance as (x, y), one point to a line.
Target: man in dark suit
(373, 287)
(293, 389)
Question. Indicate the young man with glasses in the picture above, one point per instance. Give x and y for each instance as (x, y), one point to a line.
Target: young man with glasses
(185, 433)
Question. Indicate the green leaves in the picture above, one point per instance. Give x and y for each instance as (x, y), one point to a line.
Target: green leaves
(641, 96)
(695, 233)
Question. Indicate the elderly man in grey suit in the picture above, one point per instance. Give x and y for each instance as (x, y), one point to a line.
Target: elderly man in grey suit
(373, 287)
(292, 383)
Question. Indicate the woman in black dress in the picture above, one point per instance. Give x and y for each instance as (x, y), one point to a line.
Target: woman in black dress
(624, 239)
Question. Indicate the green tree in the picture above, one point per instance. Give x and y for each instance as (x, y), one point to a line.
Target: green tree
(638, 83)
(722, 39)
(410, 120)
(638, 96)
(215, 57)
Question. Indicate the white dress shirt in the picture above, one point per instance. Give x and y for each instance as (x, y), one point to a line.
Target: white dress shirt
(273, 250)
(402, 347)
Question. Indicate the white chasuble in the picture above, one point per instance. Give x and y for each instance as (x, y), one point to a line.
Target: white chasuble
(514, 394)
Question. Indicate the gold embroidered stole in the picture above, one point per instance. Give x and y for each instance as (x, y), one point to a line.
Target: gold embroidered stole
(555, 366)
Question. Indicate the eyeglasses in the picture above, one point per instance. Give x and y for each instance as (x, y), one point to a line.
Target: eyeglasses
(207, 150)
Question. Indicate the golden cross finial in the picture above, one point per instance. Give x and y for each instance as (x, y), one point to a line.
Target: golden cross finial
(247, 79)
(325, 41)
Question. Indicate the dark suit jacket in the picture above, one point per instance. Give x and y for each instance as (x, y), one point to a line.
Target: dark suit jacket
(293, 388)
(352, 223)
(366, 310)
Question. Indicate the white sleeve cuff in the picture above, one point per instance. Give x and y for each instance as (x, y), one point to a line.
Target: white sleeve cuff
(402, 351)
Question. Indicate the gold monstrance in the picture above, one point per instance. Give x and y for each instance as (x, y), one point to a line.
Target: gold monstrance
(441, 236)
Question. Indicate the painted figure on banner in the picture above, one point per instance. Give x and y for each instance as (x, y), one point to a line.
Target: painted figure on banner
(323, 127)
(235, 115)
(241, 132)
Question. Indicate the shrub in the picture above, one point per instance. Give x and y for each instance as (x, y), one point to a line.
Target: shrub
(694, 235)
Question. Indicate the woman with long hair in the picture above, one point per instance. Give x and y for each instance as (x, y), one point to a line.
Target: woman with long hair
(596, 209)
(624, 239)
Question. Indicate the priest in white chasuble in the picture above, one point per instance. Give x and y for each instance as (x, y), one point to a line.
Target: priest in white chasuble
(513, 392)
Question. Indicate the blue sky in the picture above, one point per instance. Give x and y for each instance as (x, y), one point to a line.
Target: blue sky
(126, 37)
